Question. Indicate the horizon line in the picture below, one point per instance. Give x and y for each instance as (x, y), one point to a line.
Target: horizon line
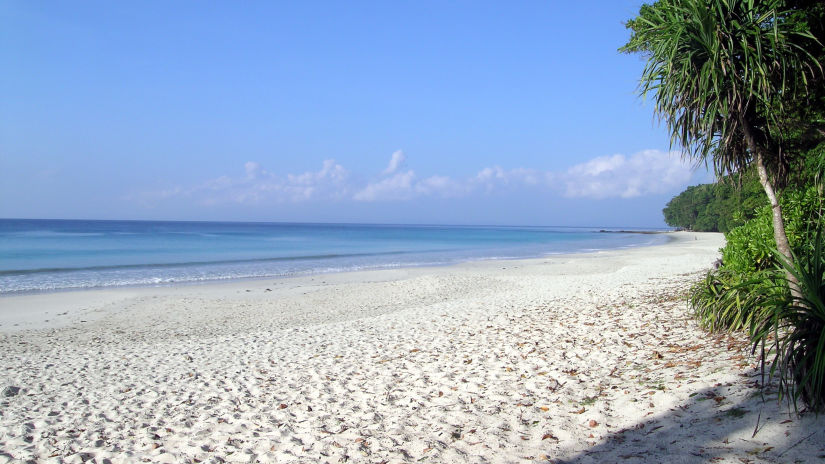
(428, 224)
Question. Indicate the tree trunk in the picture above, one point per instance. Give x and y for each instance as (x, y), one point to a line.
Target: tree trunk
(782, 244)
(779, 235)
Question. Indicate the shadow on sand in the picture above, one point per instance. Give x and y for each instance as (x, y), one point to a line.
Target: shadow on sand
(711, 427)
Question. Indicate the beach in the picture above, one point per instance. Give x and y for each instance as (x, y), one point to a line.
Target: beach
(590, 357)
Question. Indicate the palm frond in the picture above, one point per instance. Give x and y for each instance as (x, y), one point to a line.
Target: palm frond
(715, 65)
(794, 334)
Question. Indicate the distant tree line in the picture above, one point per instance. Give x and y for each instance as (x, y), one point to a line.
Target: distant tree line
(717, 207)
(736, 199)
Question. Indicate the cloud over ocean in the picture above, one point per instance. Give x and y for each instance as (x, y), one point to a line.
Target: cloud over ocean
(613, 176)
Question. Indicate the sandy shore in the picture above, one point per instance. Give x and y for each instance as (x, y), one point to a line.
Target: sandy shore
(579, 358)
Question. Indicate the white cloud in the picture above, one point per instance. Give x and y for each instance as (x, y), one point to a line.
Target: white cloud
(397, 187)
(405, 185)
(491, 178)
(643, 173)
(487, 175)
(259, 185)
(396, 161)
(441, 185)
(331, 172)
(253, 169)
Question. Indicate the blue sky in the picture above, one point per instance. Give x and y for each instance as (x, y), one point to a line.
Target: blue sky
(463, 112)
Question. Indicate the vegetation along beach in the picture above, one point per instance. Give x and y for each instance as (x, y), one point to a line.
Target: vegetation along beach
(496, 258)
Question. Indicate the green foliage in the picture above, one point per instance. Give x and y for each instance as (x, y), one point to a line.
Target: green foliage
(739, 83)
(727, 301)
(716, 207)
(749, 248)
(723, 73)
(750, 291)
(793, 331)
(812, 166)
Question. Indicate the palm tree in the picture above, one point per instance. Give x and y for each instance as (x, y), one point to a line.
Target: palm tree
(723, 73)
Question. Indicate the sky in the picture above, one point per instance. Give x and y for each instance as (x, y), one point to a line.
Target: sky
(434, 112)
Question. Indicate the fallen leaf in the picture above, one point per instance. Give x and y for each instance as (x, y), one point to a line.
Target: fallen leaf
(592, 423)
(580, 411)
(549, 436)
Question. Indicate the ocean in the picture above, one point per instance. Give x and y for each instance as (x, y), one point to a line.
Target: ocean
(51, 255)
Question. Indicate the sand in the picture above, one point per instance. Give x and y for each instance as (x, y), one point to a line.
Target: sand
(577, 358)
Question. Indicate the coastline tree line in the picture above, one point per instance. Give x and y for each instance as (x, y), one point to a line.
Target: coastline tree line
(740, 86)
(717, 207)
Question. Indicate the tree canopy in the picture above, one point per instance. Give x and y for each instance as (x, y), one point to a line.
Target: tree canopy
(739, 85)
(724, 73)
(726, 77)
(716, 207)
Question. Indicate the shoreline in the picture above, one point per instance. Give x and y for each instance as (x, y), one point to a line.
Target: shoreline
(49, 304)
(570, 358)
(60, 278)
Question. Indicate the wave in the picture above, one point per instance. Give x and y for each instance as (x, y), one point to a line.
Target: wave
(51, 234)
(22, 272)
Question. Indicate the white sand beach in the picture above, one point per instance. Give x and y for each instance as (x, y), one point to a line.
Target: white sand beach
(576, 358)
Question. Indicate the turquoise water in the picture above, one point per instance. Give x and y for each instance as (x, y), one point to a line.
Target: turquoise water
(44, 255)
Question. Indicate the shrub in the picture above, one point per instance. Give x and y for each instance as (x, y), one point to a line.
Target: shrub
(731, 298)
(793, 333)
(750, 291)
(727, 301)
(749, 246)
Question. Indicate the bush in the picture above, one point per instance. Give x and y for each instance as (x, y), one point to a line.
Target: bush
(727, 301)
(750, 291)
(793, 333)
(748, 248)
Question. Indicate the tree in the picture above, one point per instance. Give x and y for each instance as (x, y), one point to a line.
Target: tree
(717, 207)
(723, 74)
